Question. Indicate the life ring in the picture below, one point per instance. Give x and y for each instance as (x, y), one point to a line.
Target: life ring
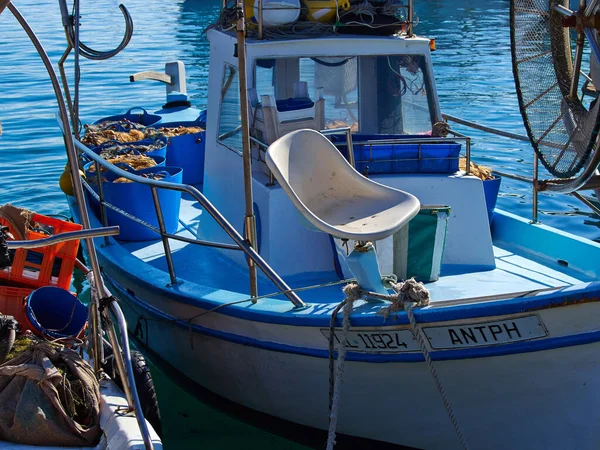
(143, 383)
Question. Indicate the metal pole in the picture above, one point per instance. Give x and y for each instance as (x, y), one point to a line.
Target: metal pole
(77, 186)
(77, 72)
(103, 216)
(250, 220)
(63, 237)
(260, 19)
(139, 414)
(409, 28)
(165, 239)
(350, 147)
(468, 157)
(534, 215)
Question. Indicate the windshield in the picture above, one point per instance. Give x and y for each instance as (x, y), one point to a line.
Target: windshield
(384, 94)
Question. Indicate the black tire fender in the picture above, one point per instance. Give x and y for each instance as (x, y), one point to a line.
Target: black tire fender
(143, 383)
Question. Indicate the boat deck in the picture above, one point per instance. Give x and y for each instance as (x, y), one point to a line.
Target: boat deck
(514, 272)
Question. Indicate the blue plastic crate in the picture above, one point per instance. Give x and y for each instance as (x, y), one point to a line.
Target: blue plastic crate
(400, 158)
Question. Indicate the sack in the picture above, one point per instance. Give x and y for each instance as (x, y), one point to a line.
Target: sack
(50, 397)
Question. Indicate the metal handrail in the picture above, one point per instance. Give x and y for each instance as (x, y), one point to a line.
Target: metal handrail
(121, 352)
(209, 208)
(63, 237)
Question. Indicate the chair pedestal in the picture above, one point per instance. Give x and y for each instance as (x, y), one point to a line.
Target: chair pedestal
(363, 264)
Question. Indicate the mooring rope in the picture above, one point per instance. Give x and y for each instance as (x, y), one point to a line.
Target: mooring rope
(410, 294)
(336, 371)
(407, 295)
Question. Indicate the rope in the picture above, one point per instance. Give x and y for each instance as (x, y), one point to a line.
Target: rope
(336, 371)
(408, 295)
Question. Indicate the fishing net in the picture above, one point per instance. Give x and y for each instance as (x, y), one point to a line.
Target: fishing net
(49, 396)
(562, 130)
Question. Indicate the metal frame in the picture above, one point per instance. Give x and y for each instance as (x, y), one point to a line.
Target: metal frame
(95, 333)
(536, 184)
(240, 242)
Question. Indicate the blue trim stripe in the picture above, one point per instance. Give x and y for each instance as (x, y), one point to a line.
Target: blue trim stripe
(445, 355)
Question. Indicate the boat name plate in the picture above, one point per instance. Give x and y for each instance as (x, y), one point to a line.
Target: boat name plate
(376, 341)
(484, 334)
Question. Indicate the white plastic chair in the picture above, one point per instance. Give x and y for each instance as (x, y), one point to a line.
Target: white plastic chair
(331, 194)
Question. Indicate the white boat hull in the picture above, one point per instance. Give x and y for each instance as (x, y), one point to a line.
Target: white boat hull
(528, 399)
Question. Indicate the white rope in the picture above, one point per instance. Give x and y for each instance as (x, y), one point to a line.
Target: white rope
(353, 293)
(410, 294)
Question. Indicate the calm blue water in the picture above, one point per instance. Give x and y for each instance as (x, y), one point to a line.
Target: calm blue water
(473, 73)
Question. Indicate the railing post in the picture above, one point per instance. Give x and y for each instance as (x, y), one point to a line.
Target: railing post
(535, 188)
(350, 147)
(409, 28)
(260, 19)
(103, 217)
(165, 239)
(468, 157)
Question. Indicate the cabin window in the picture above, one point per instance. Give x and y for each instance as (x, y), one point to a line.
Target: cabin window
(381, 94)
(230, 122)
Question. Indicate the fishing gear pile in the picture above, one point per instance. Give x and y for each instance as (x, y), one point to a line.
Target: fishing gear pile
(49, 396)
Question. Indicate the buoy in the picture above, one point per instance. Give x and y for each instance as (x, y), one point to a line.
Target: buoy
(65, 182)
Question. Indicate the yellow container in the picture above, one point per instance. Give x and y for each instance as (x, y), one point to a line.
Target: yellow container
(324, 11)
(249, 11)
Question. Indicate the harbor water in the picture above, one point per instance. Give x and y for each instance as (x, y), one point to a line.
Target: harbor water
(473, 73)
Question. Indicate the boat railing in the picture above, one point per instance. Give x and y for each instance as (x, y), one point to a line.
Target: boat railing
(239, 242)
(419, 141)
(63, 237)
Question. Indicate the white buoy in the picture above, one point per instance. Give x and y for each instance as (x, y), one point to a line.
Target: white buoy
(278, 12)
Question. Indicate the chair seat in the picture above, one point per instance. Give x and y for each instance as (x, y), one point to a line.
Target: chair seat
(331, 194)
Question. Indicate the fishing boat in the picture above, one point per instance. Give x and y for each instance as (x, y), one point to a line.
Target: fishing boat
(315, 252)
(71, 382)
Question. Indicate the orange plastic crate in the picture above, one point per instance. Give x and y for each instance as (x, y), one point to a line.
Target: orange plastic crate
(44, 266)
(12, 301)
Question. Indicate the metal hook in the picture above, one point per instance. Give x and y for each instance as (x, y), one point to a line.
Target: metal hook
(88, 52)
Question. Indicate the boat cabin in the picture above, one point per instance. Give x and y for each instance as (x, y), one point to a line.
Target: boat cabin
(381, 89)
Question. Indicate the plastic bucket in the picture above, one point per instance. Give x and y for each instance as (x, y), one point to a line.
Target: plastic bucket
(187, 151)
(131, 146)
(55, 312)
(142, 117)
(159, 160)
(490, 190)
(136, 199)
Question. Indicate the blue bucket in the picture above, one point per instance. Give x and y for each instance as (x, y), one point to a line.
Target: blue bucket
(187, 151)
(159, 160)
(131, 146)
(142, 117)
(136, 199)
(55, 312)
(490, 190)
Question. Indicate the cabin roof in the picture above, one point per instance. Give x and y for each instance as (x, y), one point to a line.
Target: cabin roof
(331, 44)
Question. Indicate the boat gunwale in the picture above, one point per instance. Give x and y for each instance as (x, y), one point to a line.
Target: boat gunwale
(527, 346)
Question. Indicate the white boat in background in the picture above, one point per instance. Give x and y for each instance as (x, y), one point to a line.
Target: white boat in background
(324, 158)
(40, 264)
